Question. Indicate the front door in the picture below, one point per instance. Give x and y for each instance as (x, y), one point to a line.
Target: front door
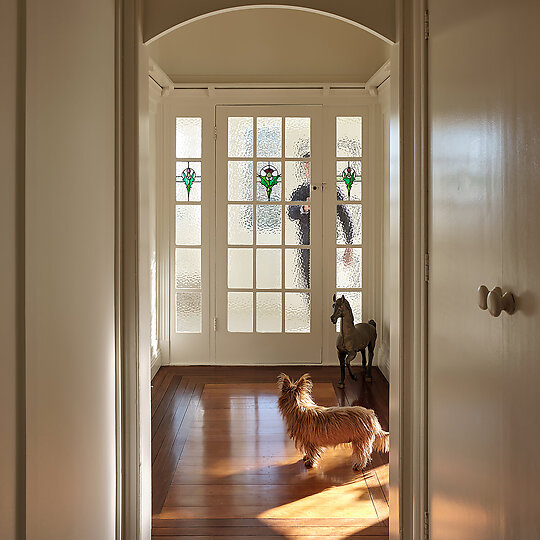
(269, 235)
(266, 225)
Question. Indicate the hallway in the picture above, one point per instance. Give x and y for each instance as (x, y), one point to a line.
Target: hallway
(223, 465)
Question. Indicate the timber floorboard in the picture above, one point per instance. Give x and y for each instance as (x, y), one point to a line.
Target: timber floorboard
(223, 465)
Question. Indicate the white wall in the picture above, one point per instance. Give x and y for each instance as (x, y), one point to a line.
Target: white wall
(269, 45)
(70, 270)
(383, 358)
(8, 268)
(161, 15)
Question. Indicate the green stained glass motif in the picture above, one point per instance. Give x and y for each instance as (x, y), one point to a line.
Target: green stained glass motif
(187, 176)
(349, 177)
(268, 176)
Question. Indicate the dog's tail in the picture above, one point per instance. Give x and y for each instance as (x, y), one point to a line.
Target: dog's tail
(382, 441)
(373, 323)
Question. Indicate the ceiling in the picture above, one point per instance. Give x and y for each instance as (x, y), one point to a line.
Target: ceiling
(269, 45)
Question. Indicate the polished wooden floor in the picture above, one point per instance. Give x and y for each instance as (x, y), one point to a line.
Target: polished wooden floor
(223, 466)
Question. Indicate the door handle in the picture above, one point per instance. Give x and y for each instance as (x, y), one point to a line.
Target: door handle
(495, 301)
(498, 302)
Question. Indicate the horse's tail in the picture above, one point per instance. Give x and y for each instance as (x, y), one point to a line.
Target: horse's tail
(382, 441)
(373, 323)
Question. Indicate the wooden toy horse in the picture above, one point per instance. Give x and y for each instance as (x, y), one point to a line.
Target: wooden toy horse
(353, 338)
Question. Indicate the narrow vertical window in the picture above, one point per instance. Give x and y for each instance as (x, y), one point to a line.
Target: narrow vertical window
(348, 239)
(188, 222)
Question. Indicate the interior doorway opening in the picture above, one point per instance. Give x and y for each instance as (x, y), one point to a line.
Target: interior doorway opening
(207, 293)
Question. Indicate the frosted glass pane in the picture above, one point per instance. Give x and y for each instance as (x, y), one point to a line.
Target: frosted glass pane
(297, 312)
(188, 268)
(268, 224)
(188, 312)
(188, 137)
(297, 225)
(269, 180)
(349, 136)
(268, 137)
(297, 180)
(188, 224)
(240, 224)
(240, 183)
(269, 269)
(297, 138)
(353, 177)
(297, 268)
(349, 268)
(188, 175)
(240, 136)
(240, 275)
(240, 312)
(349, 224)
(355, 300)
(268, 312)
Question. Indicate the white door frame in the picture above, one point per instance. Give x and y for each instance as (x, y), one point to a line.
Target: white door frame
(408, 243)
(204, 104)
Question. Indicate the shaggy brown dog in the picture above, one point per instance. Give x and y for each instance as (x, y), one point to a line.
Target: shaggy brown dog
(313, 427)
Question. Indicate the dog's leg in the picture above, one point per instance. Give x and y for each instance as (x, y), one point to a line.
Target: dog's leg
(371, 346)
(350, 357)
(362, 449)
(312, 456)
(363, 351)
(341, 356)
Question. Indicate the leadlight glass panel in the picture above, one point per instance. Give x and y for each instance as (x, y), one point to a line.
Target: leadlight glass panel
(297, 180)
(188, 312)
(268, 224)
(188, 224)
(268, 314)
(297, 312)
(297, 268)
(349, 180)
(349, 268)
(188, 181)
(240, 224)
(188, 268)
(269, 137)
(268, 268)
(240, 136)
(349, 224)
(240, 311)
(240, 181)
(349, 136)
(188, 137)
(269, 180)
(240, 268)
(297, 137)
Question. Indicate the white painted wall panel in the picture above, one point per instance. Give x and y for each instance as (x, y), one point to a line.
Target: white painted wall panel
(70, 270)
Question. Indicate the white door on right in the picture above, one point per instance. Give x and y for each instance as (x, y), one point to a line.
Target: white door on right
(484, 372)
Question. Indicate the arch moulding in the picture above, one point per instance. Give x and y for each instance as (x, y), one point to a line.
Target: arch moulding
(375, 16)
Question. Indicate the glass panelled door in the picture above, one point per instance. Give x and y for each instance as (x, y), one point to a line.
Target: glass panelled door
(268, 235)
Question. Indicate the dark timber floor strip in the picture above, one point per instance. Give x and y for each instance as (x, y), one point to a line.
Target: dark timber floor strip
(223, 466)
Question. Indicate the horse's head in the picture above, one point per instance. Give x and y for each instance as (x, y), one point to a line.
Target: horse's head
(339, 305)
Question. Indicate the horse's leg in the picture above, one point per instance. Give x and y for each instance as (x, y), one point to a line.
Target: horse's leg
(371, 346)
(363, 351)
(350, 357)
(341, 356)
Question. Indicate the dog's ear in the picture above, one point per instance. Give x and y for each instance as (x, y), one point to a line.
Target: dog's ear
(304, 382)
(334, 297)
(284, 382)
